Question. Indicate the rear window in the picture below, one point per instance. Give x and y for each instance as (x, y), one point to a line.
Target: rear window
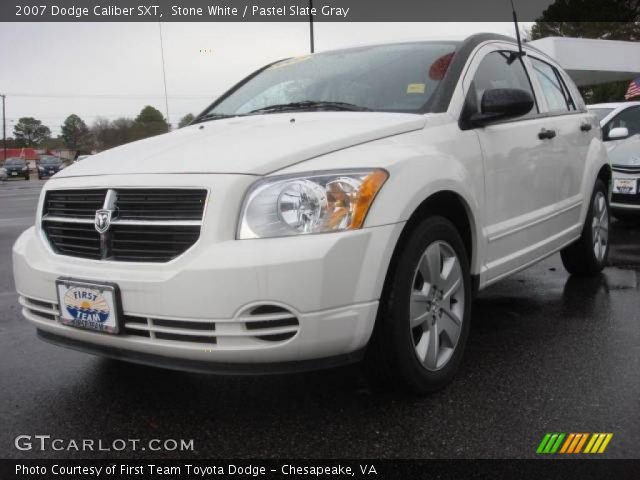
(553, 88)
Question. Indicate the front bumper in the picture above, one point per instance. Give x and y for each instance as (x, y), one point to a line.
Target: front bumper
(330, 284)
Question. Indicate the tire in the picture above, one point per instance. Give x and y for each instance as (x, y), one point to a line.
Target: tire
(413, 358)
(588, 256)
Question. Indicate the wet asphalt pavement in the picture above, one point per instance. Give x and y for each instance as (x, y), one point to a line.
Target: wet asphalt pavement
(547, 353)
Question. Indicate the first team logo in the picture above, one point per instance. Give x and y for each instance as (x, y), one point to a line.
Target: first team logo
(87, 305)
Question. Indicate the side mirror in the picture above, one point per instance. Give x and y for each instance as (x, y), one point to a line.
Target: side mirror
(618, 133)
(502, 103)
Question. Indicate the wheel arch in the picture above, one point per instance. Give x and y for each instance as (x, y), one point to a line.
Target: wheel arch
(452, 206)
(605, 175)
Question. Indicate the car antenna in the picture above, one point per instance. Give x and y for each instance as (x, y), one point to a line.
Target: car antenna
(520, 53)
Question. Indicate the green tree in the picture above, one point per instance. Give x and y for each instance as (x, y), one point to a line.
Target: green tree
(620, 20)
(150, 122)
(111, 134)
(186, 120)
(76, 134)
(56, 143)
(30, 132)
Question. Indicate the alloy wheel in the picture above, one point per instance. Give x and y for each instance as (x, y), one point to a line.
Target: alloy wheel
(437, 305)
(600, 226)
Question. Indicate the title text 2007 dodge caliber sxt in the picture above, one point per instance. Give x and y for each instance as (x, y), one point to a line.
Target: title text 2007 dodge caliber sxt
(331, 208)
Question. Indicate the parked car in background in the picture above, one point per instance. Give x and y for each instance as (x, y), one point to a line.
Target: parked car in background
(625, 163)
(17, 168)
(3, 174)
(332, 208)
(49, 165)
(619, 121)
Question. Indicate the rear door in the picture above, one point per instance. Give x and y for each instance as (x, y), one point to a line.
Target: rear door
(573, 128)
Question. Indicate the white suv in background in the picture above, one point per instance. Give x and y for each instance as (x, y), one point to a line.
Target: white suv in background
(619, 121)
(328, 209)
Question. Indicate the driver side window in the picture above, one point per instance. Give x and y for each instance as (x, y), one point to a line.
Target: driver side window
(500, 70)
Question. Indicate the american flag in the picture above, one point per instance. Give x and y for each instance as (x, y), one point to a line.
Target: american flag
(633, 90)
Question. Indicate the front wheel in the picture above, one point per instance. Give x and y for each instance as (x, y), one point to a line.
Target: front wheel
(424, 316)
(588, 256)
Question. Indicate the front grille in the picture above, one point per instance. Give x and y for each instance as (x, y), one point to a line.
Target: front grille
(73, 239)
(256, 327)
(39, 309)
(148, 243)
(626, 168)
(74, 203)
(147, 225)
(627, 199)
(161, 204)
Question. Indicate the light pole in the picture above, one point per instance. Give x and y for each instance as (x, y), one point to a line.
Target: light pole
(4, 131)
(311, 26)
(164, 76)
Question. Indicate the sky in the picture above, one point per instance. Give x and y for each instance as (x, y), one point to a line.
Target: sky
(111, 70)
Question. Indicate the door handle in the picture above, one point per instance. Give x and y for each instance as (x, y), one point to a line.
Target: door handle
(546, 134)
(585, 127)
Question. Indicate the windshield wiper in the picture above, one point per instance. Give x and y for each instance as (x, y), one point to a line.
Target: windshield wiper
(312, 105)
(212, 116)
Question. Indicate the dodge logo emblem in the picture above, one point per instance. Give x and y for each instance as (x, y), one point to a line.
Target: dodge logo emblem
(103, 220)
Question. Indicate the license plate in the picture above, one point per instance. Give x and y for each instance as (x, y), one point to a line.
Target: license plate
(88, 305)
(625, 186)
(14, 173)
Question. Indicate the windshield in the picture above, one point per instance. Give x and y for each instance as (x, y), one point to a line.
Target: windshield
(49, 160)
(15, 161)
(601, 112)
(387, 78)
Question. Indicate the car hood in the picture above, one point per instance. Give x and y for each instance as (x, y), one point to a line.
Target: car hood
(627, 152)
(256, 144)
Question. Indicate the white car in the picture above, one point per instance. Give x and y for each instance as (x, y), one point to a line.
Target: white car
(3, 175)
(625, 163)
(619, 120)
(327, 209)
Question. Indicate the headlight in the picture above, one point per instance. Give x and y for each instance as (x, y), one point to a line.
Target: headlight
(313, 203)
(40, 168)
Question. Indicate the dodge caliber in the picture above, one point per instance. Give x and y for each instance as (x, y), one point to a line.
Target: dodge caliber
(338, 207)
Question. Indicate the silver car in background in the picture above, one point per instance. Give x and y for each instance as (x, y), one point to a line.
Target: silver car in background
(625, 163)
(619, 121)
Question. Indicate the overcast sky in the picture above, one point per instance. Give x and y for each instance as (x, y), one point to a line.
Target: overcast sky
(50, 70)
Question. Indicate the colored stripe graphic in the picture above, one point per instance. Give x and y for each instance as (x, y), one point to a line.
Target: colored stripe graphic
(606, 441)
(543, 443)
(581, 442)
(567, 442)
(573, 443)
